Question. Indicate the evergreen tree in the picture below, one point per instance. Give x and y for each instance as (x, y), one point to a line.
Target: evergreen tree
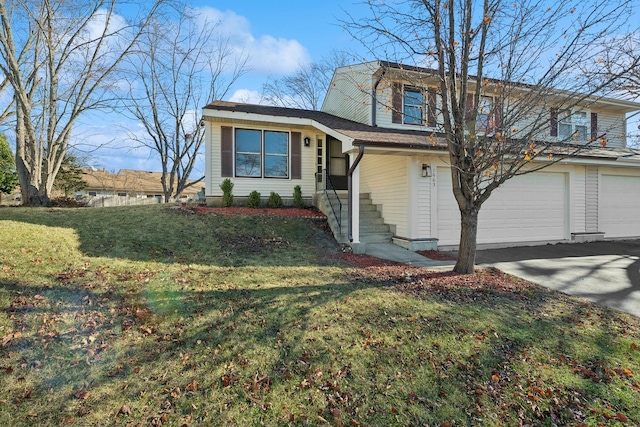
(8, 174)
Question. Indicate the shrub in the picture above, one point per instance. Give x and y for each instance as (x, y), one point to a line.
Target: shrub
(227, 196)
(297, 197)
(275, 201)
(254, 200)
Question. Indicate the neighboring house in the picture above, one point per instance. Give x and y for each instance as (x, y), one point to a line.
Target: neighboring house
(127, 182)
(381, 134)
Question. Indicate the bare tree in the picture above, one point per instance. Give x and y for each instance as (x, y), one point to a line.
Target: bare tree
(59, 57)
(183, 64)
(500, 67)
(306, 87)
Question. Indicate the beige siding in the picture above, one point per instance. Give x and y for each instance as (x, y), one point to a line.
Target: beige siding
(385, 178)
(244, 186)
(614, 126)
(349, 94)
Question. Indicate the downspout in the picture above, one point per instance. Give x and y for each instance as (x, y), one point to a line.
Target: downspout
(353, 167)
(374, 98)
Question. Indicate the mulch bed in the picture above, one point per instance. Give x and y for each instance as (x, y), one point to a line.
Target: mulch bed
(286, 212)
(420, 282)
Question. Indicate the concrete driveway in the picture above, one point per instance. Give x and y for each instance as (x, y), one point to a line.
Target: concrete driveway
(605, 272)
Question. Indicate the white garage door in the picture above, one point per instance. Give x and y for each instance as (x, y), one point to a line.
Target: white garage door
(619, 205)
(526, 208)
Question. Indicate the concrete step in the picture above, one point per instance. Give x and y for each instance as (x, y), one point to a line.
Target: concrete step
(366, 229)
(375, 237)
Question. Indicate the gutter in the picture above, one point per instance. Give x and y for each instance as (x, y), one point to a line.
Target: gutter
(352, 169)
(374, 98)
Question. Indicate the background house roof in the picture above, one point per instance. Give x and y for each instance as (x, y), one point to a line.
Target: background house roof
(127, 181)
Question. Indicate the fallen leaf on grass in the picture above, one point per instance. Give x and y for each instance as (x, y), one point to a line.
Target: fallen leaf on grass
(82, 394)
(124, 410)
(7, 338)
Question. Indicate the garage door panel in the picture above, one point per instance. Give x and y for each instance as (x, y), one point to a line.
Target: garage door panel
(526, 208)
(619, 207)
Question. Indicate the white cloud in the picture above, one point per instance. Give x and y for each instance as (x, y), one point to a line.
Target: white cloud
(267, 54)
(247, 96)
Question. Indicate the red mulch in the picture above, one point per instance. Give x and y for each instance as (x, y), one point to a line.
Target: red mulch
(421, 282)
(288, 212)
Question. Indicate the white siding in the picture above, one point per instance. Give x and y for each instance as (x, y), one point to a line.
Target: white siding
(591, 199)
(424, 205)
(577, 200)
(349, 94)
(244, 186)
(385, 178)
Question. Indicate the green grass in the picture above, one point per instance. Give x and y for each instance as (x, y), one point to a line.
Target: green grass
(148, 316)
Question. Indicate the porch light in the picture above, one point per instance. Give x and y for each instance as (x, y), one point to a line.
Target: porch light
(426, 170)
(307, 141)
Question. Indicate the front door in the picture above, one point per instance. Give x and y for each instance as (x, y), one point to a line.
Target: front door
(337, 165)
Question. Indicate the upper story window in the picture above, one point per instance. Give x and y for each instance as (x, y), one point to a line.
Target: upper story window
(261, 153)
(413, 105)
(572, 125)
(413, 101)
(577, 126)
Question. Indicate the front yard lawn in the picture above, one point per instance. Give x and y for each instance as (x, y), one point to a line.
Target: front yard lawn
(154, 316)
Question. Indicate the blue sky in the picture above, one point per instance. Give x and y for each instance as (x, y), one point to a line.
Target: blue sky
(278, 36)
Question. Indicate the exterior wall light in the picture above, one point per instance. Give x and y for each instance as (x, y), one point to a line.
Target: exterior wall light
(426, 170)
(307, 141)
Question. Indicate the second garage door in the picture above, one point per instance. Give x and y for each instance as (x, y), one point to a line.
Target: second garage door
(619, 206)
(526, 208)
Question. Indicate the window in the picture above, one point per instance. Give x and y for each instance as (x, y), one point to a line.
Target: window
(572, 125)
(483, 119)
(262, 153)
(413, 106)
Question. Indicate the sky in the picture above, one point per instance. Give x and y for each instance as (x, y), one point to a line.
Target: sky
(278, 35)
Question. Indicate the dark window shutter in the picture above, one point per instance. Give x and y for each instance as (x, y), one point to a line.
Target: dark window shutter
(396, 102)
(469, 108)
(594, 125)
(226, 152)
(554, 122)
(431, 107)
(296, 155)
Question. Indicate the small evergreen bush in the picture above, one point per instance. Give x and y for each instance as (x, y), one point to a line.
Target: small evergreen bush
(297, 197)
(227, 192)
(253, 201)
(275, 201)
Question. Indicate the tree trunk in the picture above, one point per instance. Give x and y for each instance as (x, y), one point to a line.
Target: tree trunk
(468, 240)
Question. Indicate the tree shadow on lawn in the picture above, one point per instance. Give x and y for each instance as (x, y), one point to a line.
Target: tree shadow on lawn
(288, 354)
(173, 235)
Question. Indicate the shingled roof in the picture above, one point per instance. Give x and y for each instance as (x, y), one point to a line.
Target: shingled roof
(360, 133)
(386, 137)
(127, 181)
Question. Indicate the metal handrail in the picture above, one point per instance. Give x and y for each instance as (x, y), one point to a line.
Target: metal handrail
(329, 187)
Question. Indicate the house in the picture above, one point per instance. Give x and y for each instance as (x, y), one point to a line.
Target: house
(375, 162)
(127, 182)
